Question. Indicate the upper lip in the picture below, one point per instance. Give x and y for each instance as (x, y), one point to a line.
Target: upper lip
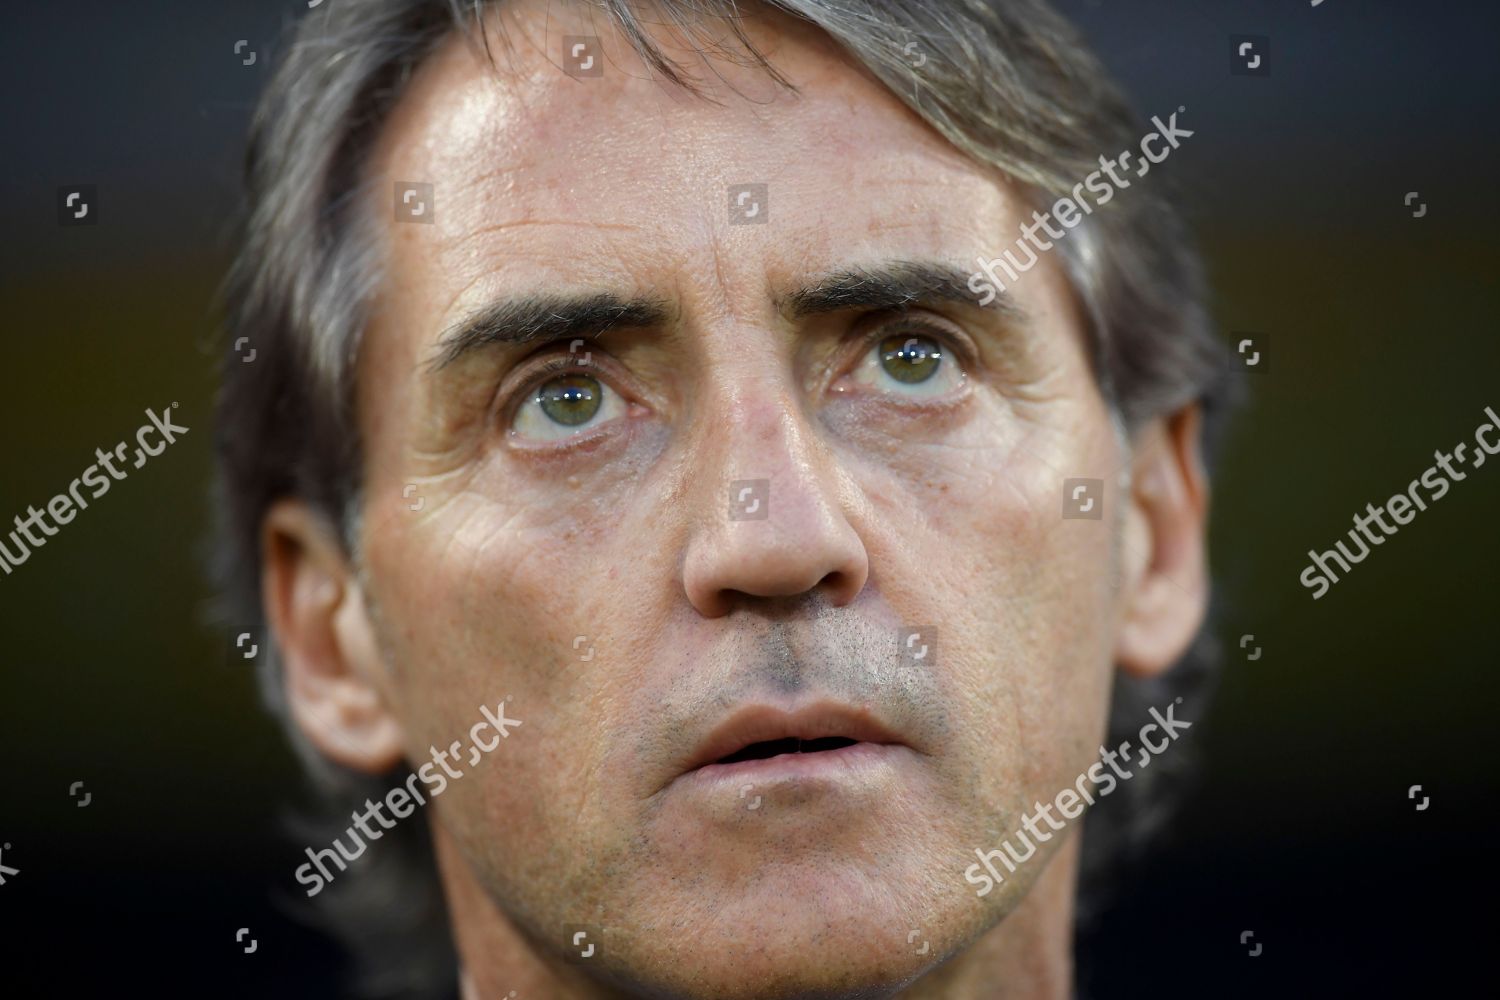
(762, 723)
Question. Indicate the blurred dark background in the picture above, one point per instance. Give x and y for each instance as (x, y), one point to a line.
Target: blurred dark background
(1382, 341)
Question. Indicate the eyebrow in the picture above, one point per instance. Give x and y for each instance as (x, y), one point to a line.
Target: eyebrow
(891, 285)
(543, 318)
(546, 318)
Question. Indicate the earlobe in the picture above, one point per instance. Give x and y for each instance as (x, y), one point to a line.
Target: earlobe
(1165, 546)
(336, 686)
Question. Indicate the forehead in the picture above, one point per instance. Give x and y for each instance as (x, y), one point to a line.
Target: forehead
(541, 177)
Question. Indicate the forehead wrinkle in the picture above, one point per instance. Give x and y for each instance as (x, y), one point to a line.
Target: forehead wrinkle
(602, 277)
(458, 242)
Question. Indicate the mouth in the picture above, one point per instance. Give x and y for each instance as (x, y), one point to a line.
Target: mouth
(766, 749)
(768, 742)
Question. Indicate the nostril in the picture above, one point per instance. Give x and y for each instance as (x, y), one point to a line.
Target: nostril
(802, 547)
(840, 587)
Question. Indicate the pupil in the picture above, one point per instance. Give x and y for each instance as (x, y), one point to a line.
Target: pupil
(570, 400)
(910, 359)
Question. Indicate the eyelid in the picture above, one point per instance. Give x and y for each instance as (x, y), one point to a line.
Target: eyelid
(517, 388)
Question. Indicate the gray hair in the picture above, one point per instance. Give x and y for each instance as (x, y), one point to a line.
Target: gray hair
(1008, 82)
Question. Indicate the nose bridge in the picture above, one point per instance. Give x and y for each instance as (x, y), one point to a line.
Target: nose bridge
(762, 430)
(746, 445)
(760, 434)
(771, 522)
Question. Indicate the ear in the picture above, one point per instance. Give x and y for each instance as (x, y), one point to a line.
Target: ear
(1166, 546)
(336, 685)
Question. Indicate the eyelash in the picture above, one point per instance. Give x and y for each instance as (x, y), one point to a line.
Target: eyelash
(542, 372)
(551, 365)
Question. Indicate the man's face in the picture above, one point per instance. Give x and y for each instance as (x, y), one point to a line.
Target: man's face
(904, 465)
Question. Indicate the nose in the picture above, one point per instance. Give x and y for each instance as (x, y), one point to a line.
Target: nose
(772, 524)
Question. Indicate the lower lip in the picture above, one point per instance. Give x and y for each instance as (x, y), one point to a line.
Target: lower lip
(854, 761)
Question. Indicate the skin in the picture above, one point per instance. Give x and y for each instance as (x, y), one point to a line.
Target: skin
(885, 508)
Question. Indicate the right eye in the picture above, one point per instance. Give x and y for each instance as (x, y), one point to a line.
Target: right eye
(564, 405)
(910, 364)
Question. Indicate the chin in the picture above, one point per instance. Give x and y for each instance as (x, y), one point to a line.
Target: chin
(808, 929)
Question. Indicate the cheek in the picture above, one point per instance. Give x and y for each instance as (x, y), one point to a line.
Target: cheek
(513, 552)
(973, 538)
(473, 611)
(484, 599)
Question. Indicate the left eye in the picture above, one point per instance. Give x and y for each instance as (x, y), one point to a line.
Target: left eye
(564, 405)
(908, 364)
